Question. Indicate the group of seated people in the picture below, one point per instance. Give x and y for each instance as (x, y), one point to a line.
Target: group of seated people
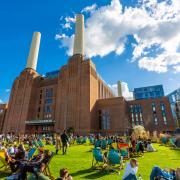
(130, 172)
(133, 144)
(17, 159)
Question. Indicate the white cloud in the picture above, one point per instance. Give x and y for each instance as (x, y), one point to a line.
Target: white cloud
(1, 101)
(177, 68)
(68, 22)
(150, 23)
(89, 8)
(128, 95)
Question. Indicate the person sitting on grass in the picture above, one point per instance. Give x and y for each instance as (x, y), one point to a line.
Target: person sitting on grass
(35, 164)
(158, 173)
(15, 160)
(38, 174)
(131, 170)
(150, 147)
(64, 175)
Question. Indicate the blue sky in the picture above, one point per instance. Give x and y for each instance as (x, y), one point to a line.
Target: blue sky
(135, 39)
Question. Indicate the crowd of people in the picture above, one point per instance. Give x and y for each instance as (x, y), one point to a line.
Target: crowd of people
(16, 153)
(21, 159)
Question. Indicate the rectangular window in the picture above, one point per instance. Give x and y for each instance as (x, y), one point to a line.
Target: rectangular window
(162, 107)
(132, 117)
(136, 117)
(49, 92)
(132, 108)
(165, 120)
(49, 101)
(154, 107)
(47, 109)
(105, 124)
(155, 120)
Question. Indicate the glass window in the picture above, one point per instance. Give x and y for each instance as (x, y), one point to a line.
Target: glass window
(162, 107)
(105, 119)
(165, 120)
(47, 109)
(155, 121)
(153, 107)
(132, 116)
(49, 92)
(136, 117)
(48, 101)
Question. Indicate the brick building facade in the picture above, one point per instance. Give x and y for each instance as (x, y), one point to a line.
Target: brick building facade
(75, 97)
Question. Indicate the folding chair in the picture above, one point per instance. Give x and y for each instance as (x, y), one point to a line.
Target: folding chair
(47, 171)
(91, 139)
(97, 143)
(5, 166)
(40, 143)
(124, 150)
(115, 161)
(84, 140)
(78, 141)
(109, 141)
(104, 144)
(98, 160)
(31, 153)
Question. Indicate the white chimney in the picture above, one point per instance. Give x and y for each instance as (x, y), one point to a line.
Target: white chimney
(119, 88)
(33, 54)
(79, 35)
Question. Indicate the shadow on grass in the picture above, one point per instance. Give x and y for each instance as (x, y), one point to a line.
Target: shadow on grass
(90, 173)
(4, 175)
(81, 172)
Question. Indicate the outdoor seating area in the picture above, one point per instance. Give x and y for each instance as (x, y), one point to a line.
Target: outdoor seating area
(87, 157)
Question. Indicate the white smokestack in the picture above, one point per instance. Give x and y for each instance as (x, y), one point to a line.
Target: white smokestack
(119, 84)
(79, 35)
(33, 53)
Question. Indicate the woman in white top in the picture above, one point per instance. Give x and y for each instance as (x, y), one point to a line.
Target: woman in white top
(150, 147)
(131, 170)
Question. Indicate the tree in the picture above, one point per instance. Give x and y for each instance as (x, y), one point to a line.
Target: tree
(139, 132)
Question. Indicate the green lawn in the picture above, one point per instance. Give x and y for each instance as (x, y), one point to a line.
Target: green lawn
(79, 159)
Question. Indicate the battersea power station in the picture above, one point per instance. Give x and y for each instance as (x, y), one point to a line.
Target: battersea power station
(76, 97)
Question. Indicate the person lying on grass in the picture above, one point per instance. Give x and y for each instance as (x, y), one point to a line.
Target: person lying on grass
(171, 174)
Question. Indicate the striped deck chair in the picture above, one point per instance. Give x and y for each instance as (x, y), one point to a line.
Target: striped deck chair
(84, 139)
(5, 166)
(47, 171)
(97, 143)
(104, 144)
(35, 143)
(98, 161)
(78, 140)
(164, 140)
(91, 140)
(40, 143)
(172, 143)
(109, 141)
(115, 161)
(124, 150)
(114, 145)
(31, 153)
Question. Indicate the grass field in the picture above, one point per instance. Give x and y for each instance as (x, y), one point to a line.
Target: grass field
(79, 159)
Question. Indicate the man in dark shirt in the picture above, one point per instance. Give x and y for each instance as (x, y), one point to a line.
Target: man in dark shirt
(64, 140)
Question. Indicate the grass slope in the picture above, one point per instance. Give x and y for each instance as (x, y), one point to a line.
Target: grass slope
(79, 159)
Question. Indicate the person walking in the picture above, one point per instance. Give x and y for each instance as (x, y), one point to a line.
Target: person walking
(64, 140)
(58, 143)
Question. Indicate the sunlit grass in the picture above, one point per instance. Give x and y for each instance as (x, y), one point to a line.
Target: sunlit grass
(79, 160)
